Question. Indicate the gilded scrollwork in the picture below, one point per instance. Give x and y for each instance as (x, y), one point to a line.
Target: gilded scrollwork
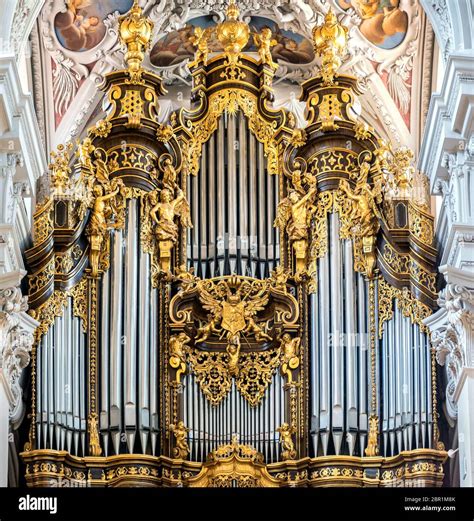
(230, 100)
(406, 302)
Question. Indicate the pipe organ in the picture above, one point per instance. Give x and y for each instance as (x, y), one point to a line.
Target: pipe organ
(229, 300)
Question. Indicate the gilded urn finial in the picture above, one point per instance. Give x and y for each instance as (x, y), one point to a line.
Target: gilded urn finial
(232, 33)
(135, 34)
(330, 42)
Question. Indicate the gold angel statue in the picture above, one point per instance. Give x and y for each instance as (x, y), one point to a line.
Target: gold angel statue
(364, 207)
(177, 361)
(233, 353)
(98, 223)
(286, 441)
(94, 441)
(264, 42)
(165, 211)
(185, 276)
(169, 174)
(101, 169)
(290, 355)
(279, 278)
(294, 217)
(364, 214)
(84, 151)
(181, 449)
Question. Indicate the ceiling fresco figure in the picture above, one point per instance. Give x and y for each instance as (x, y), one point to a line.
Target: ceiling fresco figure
(383, 22)
(81, 27)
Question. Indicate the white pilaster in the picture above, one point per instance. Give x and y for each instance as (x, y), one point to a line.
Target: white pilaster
(22, 161)
(447, 157)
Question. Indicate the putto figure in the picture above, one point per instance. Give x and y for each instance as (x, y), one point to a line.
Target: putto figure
(264, 43)
(181, 449)
(286, 441)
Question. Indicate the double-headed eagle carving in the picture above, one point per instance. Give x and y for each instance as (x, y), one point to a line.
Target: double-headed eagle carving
(234, 314)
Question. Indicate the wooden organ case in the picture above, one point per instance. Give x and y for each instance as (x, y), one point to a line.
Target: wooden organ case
(229, 300)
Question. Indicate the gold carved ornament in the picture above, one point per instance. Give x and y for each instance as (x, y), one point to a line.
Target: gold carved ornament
(233, 305)
(330, 42)
(229, 100)
(406, 302)
(135, 33)
(286, 441)
(180, 432)
(233, 36)
(360, 218)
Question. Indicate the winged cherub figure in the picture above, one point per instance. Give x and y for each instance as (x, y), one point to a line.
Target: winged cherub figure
(264, 42)
(286, 441)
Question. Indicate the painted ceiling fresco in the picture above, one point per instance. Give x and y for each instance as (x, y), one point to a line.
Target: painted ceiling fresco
(383, 22)
(82, 41)
(81, 26)
(176, 47)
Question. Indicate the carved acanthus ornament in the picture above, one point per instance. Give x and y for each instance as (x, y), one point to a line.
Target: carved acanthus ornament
(452, 337)
(16, 343)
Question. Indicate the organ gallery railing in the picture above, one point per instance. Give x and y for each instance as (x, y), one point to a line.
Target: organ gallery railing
(227, 291)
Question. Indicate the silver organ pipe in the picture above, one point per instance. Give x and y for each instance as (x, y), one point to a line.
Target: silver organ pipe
(61, 387)
(154, 370)
(68, 385)
(130, 326)
(324, 361)
(144, 346)
(350, 345)
(76, 335)
(406, 385)
(211, 426)
(233, 205)
(116, 302)
(82, 385)
(336, 351)
(363, 361)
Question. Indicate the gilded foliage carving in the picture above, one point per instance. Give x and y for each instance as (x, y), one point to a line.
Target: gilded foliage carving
(230, 100)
